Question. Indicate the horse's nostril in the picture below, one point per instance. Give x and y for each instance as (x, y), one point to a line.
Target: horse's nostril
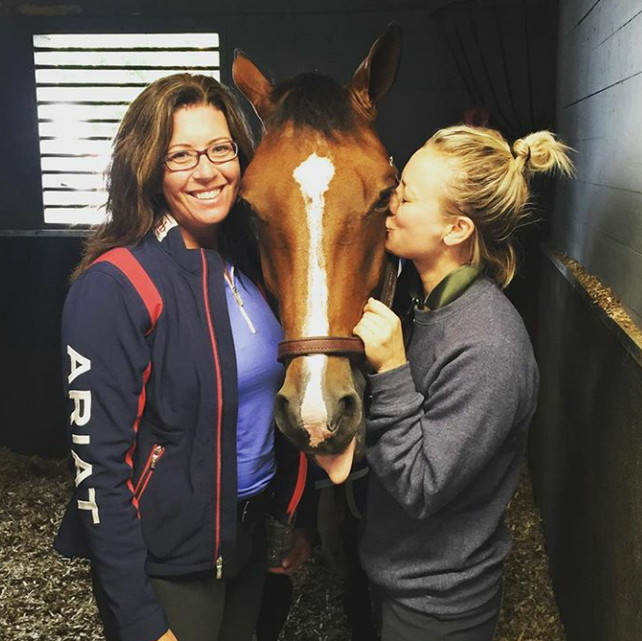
(347, 404)
(346, 407)
(281, 405)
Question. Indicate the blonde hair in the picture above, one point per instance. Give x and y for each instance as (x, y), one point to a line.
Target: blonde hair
(492, 186)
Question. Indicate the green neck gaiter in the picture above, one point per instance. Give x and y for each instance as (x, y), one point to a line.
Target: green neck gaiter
(450, 288)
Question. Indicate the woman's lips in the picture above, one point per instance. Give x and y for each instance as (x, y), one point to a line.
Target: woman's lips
(210, 194)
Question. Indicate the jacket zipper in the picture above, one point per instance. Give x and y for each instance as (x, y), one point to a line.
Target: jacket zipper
(146, 475)
(229, 279)
(218, 559)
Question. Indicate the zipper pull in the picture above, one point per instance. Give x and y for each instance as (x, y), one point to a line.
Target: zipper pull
(249, 322)
(219, 567)
(237, 297)
(158, 450)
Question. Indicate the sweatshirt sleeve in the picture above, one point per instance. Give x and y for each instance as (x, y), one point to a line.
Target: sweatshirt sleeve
(106, 366)
(427, 447)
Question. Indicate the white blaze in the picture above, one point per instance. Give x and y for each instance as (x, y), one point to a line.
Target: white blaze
(313, 176)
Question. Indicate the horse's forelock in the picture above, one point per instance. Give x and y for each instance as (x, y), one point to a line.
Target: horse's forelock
(314, 101)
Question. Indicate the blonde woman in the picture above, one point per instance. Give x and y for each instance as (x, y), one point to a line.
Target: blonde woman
(449, 413)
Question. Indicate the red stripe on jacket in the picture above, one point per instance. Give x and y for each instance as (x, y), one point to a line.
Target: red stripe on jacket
(124, 260)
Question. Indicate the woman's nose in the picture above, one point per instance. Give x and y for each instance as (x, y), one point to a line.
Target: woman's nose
(394, 202)
(206, 169)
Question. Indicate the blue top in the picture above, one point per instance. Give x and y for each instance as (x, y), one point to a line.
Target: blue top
(257, 334)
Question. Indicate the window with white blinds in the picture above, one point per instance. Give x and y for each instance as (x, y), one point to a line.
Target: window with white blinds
(84, 83)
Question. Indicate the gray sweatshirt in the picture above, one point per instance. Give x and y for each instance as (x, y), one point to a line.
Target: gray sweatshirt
(445, 439)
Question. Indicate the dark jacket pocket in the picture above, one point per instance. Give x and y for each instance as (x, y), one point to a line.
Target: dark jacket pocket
(155, 456)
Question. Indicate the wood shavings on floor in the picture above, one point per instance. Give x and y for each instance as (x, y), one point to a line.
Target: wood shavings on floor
(44, 597)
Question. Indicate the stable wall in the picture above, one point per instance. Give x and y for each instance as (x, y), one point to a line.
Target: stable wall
(586, 461)
(586, 440)
(33, 283)
(598, 218)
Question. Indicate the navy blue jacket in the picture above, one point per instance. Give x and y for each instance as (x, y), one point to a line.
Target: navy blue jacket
(151, 375)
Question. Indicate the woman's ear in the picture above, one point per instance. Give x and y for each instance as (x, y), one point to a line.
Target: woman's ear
(461, 229)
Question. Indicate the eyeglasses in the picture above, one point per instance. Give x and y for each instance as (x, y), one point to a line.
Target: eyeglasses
(218, 153)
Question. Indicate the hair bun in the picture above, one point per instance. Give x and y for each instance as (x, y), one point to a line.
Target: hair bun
(541, 151)
(521, 149)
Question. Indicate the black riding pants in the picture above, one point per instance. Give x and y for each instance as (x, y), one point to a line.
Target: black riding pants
(400, 623)
(203, 608)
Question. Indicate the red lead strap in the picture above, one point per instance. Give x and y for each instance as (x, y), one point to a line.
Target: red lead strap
(299, 485)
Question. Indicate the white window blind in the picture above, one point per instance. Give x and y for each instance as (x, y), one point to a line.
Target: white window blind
(84, 83)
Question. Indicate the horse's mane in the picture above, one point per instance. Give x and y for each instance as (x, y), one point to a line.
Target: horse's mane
(315, 101)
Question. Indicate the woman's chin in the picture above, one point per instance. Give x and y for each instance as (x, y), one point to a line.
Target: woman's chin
(392, 247)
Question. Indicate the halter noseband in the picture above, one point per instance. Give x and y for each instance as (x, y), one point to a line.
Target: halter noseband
(341, 345)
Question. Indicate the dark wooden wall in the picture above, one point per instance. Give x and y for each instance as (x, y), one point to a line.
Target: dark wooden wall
(586, 461)
(600, 89)
(586, 441)
(34, 273)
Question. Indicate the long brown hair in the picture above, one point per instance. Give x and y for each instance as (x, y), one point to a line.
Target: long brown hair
(494, 190)
(134, 177)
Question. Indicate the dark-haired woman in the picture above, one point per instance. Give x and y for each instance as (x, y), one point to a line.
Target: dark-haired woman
(449, 413)
(170, 363)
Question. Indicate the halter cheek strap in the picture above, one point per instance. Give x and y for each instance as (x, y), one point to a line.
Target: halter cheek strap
(341, 345)
(389, 280)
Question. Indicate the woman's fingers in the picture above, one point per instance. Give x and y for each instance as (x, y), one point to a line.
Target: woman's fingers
(380, 331)
(378, 319)
(377, 307)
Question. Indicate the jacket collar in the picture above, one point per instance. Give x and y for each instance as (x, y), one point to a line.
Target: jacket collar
(168, 234)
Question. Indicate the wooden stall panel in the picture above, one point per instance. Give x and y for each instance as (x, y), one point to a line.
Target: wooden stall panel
(597, 216)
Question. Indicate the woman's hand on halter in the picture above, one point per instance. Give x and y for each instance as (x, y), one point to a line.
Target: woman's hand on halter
(380, 331)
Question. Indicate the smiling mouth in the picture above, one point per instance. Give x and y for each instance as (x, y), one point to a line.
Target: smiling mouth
(212, 194)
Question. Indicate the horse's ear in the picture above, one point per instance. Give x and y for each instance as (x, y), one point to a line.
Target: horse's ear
(253, 84)
(376, 73)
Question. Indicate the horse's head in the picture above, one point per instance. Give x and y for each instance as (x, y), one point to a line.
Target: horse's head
(319, 185)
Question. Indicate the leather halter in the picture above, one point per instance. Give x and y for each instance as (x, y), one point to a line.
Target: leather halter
(341, 345)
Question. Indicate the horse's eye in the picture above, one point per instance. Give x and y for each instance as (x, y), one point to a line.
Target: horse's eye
(383, 204)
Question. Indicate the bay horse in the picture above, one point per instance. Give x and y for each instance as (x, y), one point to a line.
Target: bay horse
(319, 186)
